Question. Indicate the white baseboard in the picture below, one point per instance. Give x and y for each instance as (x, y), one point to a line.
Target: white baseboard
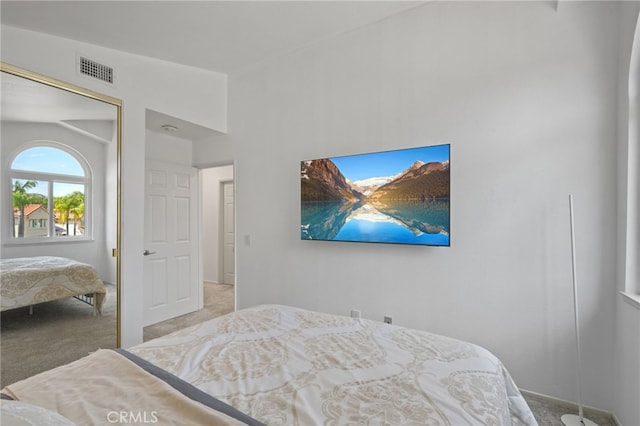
(572, 406)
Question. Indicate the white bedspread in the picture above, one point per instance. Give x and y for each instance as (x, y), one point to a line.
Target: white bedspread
(27, 281)
(287, 366)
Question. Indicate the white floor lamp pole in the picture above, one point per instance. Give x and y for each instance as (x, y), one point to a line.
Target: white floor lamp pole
(572, 419)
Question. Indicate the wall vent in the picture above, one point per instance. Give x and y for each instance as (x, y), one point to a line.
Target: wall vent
(96, 70)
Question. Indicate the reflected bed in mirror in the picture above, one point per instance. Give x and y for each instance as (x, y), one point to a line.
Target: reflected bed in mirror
(60, 196)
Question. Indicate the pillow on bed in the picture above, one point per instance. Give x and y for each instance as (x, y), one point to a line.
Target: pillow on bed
(18, 413)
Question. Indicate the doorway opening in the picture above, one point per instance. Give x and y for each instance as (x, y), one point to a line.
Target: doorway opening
(218, 250)
(217, 230)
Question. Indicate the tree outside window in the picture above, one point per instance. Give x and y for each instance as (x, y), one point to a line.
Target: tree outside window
(21, 199)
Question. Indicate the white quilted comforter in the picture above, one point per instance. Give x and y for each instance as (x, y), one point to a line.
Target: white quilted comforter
(27, 281)
(287, 366)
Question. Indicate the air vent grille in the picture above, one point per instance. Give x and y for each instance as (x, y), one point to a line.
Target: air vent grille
(96, 70)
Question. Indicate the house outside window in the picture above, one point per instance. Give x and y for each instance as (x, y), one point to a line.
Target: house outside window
(51, 194)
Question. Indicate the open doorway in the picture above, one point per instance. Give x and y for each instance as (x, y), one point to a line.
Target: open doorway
(217, 251)
(218, 238)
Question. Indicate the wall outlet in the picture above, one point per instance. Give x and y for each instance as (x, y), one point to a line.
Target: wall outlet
(355, 313)
(387, 320)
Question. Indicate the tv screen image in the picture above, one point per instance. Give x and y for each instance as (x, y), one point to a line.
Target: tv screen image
(397, 197)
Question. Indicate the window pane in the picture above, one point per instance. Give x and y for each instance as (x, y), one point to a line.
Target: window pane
(46, 159)
(30, 213)
(68, 208)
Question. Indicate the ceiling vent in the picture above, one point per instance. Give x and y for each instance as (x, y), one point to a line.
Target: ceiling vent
(96, 70)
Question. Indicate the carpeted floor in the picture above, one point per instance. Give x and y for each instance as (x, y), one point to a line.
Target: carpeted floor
(548, 412)
(64, 330)
(58, 332)
(219, 299)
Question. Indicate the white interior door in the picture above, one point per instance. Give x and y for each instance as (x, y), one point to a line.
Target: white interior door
(228, 251)
(171, 275)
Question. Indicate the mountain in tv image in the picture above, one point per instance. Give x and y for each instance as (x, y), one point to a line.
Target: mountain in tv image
(322, 181)
(408, 207)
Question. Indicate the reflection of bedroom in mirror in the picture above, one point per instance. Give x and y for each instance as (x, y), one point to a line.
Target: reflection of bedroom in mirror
(59, 223)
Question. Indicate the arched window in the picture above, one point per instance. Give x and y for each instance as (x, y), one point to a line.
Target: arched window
(51, 194)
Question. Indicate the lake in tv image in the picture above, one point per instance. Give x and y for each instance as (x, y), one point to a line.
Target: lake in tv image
(396, 197)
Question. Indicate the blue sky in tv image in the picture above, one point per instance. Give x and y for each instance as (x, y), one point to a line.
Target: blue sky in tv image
(397, 197)
(388, 163)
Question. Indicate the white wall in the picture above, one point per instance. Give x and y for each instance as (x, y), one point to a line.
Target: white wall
(211, 180)
(190, 94)
(94, 252)
(169, 149)
(527, 97)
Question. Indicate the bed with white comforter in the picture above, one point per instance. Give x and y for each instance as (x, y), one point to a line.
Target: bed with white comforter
(282, 365)
(27, 281)
(288, 366)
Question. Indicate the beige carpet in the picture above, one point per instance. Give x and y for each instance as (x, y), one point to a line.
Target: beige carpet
(57, 333)
(219, 299)
(548, 412)
(62, 331)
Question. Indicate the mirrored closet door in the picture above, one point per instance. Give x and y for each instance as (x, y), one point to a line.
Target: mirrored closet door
(60, 198)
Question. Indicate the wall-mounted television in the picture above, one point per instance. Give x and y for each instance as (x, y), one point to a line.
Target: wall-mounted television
(397, 197)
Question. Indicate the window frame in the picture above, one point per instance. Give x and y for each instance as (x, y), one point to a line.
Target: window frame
(631, 284)
(51, 179)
